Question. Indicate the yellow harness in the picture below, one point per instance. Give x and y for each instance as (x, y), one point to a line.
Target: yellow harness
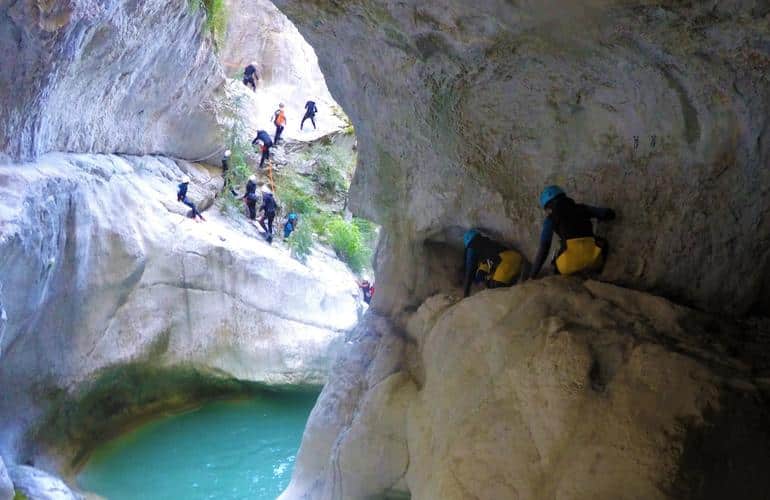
(581, 254)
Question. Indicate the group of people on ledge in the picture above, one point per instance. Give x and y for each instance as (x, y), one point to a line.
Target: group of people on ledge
(581, 251)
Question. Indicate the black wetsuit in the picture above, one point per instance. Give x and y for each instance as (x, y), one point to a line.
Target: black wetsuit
(251, 199)
(268, 212)
(268, 142)
(181, 195)
(250, 77)
(569, 220)
(478, 250)
(310, 113)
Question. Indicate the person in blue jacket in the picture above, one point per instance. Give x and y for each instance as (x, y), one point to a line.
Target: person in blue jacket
(581, 250)
(181, 195)
(488, 260)
(290, 225)
(267, 208)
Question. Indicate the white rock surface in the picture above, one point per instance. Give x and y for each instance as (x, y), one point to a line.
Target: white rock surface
(552, 389)
(6, 486)
(100, 267)
(39, 485)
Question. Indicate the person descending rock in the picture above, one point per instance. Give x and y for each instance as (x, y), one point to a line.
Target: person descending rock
(250, 76)
(290, 225)
(488, 260)
(310, 113)
(181, 195)
(268, 212)
(225, 169)
(580, 251)
(367, 289)
(279, 120)
(263, 142)
(250, 198)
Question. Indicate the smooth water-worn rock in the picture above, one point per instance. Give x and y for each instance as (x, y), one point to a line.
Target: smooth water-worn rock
(6, 486)
(464, 115)
(36, 484)
(108, 77)
(552, 389)
(100, 267)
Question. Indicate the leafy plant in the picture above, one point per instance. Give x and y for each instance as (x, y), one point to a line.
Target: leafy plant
(216, 17)
(334, 167)
(301, 241)
(345, 238)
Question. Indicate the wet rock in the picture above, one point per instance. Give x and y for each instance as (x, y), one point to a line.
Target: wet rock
(38, 485)
(6, 486)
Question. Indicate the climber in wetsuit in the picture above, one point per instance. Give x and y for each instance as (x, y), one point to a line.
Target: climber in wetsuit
(581, 250)
(268, 212)
(181, 195)
(250, 76)
(310, 113)
(488, 260)
(250, 198)
(264, 143)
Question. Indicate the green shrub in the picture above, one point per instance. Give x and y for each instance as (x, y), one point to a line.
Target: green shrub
(293, 199)
(301, 241)
(368, 230)
(345, 239)
(334, 167)
(18, 495)
(216, 17)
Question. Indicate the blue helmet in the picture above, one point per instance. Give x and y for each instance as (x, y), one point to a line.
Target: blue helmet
(549, 194)
(469, 235)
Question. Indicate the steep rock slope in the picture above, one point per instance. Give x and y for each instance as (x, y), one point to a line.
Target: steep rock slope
(552, 389)
(463, 115)
(107, 77)
(101, 268)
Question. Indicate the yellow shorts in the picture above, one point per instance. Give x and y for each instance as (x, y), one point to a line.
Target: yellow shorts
(509, 267)
(581, 254)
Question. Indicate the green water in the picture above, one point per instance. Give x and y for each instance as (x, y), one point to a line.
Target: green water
(223, 450)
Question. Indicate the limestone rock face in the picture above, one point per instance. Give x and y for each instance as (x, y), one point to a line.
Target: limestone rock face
(552, 389)
(464, 114)
(107, 76)
(100, 267)
(39, 485)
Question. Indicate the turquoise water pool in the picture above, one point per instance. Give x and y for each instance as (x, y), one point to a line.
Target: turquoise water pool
(223, 450)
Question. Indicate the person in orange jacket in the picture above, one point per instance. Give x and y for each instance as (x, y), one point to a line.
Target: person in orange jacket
(279, 120)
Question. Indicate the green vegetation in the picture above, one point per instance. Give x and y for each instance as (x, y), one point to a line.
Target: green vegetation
(334, 167)
(348, 243)
(216, 17)
(348, 128)
(18, 495)
(301, 241)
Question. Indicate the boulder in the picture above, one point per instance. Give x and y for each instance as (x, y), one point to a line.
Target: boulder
(551, 389)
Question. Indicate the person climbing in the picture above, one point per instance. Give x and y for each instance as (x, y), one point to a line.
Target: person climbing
(367, 289)
(263, 142)
(225, 168)
(290, 225)
(488, 260)
(181, 195)
(310, 113)
(250, 76)
(268, 212)
(581, 250)
(250, 198)
(279, 120)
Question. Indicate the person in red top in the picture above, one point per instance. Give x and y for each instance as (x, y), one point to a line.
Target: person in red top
(279, 120)
(368, 290)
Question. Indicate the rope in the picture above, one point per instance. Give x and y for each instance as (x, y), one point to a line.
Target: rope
(270, 175)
